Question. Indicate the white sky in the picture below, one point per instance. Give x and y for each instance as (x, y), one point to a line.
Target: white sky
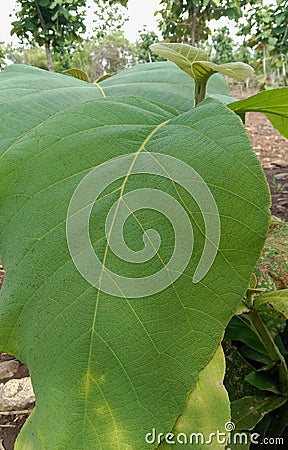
(140, 13)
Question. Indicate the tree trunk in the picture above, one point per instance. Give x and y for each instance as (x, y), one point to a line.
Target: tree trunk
(283, 65)
(264, 62)
(192, 23)
(49, 56)
(47, 43)
(284, 72)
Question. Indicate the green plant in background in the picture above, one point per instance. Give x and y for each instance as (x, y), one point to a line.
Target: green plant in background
(58, 25)
(223, 46)
(2, 55)
(272, 267)
(256, 349)
(187, 21)
(108, 367)
(145, 40)
(109, 54)
(51, 24)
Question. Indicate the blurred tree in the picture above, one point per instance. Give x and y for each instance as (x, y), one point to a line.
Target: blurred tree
(223, 46)
(55, 24)
(146, 38)
(267, 26)
(2, 55)
(109, 17)
(258, 24)
(243, 53)
(186, 20)
(83, 57)
(34, 56)
(280, 32)
(110, 54)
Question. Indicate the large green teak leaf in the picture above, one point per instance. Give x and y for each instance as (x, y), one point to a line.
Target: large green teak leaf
(161, 82)
(106, 367)
(164, 83)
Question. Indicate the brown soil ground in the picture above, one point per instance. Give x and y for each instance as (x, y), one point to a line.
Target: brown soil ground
(272, 151)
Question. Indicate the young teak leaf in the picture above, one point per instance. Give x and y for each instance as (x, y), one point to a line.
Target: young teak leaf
(202, 71)
(239, 71)
(103, 77)
(77, 73)
(195, 62)
(181, 54)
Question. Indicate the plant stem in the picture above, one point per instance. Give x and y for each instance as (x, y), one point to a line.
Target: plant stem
(200, 91)
(272, 349)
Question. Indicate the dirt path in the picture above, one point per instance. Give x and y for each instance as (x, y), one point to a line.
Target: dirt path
(272, 150)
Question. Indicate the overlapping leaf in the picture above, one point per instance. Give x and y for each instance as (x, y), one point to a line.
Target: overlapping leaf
(207, 411)
(274, 104)
(164, 83)
(78, 73)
